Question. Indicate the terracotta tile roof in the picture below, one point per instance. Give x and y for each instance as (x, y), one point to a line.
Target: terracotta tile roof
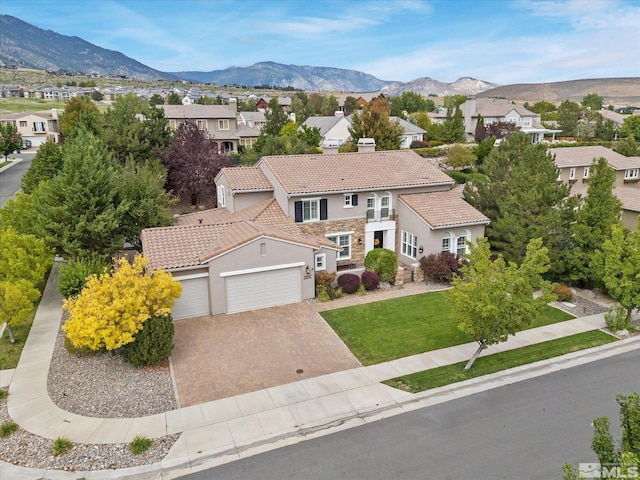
(207, 217)
(584, 156)
(350, 172)
(245, 178)
(443, 209)
(629, 196)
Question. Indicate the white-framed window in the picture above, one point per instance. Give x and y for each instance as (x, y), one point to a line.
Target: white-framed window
(526, 121)
(586, 172)
(350, 200)
(311, 210)
(409, 245)
(344, 240)
(446, 244)
(631, 173)
(371, 205)
(378, 206)
(461, 246)
(221, 196)
(23, 123)
(572, 174)
(38, 127)
(385, 202)
(202, 124)
(320, 262)
(223, 124)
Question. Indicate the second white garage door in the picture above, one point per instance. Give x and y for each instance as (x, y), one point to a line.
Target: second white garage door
(251, 291)
(194, 300)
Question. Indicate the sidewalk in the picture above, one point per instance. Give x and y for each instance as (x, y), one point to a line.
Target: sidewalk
(231, 428)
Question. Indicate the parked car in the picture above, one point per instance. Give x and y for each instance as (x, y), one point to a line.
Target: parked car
(26, 144)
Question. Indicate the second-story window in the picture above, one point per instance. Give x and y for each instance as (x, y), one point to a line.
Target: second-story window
(38, 126)
(23, 123)
(631, 173)
(310, 210)
(572, 174)
(202, 124)
(586, 172)
(350, 200)
(223, 124)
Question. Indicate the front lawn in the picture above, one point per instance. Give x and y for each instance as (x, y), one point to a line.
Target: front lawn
(10, 352)
(445, 375)
(389, 329)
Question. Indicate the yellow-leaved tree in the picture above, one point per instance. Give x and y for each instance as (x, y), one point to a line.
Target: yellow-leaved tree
(112, 308)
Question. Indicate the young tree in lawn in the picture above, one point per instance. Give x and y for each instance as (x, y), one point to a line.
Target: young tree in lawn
(597, 214)
(112, 308)
(494, 299)
(17, 299)
(46, 164)
(192, 162)
(373, 122)
(621, 262)
(10, 139)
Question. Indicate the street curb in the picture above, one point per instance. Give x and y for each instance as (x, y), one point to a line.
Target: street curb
(169, 470)
(13, 162)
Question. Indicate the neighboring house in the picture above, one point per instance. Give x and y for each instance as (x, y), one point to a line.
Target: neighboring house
(8, 91)
(217, 121)
(575, 164)
(289, 216)
(412, 133)
(333, 128)
(255, 120)
(494, 110)
(35, 127)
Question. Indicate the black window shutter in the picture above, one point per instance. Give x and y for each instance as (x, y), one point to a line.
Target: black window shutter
(323, 209)
(354, 200)
(298, 211)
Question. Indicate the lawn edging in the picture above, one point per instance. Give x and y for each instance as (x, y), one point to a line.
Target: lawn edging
(517, 374)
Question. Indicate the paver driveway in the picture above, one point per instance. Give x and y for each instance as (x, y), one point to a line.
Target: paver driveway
(226, 355)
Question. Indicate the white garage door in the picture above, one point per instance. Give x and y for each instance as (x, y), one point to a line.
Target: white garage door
(251, 291)
(195, 298)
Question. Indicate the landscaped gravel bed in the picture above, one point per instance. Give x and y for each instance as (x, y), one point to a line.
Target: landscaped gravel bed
(581, 307)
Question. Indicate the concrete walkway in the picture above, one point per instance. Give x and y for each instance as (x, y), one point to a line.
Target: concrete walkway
(227, 429)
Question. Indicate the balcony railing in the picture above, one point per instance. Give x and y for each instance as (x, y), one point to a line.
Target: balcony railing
(380, 215)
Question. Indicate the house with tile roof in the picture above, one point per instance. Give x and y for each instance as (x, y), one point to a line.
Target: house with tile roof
(290, 216)
(36, 127)
(575, 168)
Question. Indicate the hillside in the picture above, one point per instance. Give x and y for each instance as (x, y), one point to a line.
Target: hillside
(616, 91)
(303, 77)
(28, 46)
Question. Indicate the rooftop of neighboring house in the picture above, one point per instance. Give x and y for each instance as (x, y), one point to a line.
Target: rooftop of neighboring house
(443, 209)
(352, 172)
(584, 156)
(15, 116)
(615, 117)
(628, 196)
(198, 111)
(245, 131)
(408, 127)
(242, 179)
(253, 116)
(324, 122)
(496, 107)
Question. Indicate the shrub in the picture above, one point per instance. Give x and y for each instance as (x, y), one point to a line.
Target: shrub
(4, 393)
(361, 290)
(7, 428)
(370, 280)
(440, 267)
(74, 274)
(563, 293)
(140, 445)
(616, 318)
(384, 262)
(325, 286)
(152, 344)
(418, 144)
(349, 282)
(61, 445)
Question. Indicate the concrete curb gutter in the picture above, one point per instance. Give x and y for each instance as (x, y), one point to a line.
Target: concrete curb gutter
(404, 402)
(14, 161)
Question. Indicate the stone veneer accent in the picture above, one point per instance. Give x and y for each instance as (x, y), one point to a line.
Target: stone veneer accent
(326, 227)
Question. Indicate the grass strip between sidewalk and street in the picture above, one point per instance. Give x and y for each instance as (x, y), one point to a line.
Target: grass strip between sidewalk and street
(448, 374)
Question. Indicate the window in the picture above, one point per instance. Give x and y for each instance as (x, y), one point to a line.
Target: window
(172, 124)
(321, 262)
(526, 121)
(371, 206)
(221, 194)
(344, 240)
(350, 200)
(631, 173)
(223, 124)
(23, 123)
(38, 126)
(310, 210)
(384, 206)
(461, 246)
(572, 174)
(586, 172)
(263, 249)
(446, 244)
(409, 244)
(202, 124)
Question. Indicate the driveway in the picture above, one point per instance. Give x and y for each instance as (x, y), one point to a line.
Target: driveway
(225, 355)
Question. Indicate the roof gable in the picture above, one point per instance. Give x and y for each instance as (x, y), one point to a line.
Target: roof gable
(242, 179)
(443, 209)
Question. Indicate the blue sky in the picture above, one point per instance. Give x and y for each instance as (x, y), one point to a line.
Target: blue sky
(501, 41)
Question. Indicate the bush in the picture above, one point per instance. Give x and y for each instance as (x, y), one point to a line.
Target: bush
(4, 393)
(7, 428)
(563, 293)
(74, 274)
(325, 286)
(61, 445)
(464, 177)
(616, 318)
(140, 445)
(384, 262)
(152, 344)
(418, 144)
(361, 290)
(440, 267)
(349, 282)
(370, 280)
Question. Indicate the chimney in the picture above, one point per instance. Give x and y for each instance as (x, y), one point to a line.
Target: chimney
(366, 145)
(54, 113)
(233, 102)
(329, 146)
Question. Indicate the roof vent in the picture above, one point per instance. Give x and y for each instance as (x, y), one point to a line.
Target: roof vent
(199, 220)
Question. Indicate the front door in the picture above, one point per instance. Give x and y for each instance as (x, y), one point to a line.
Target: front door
(378, 239)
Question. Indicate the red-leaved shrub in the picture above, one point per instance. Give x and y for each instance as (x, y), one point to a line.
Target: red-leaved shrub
(348, 282)
(370, 280)
(440, 267)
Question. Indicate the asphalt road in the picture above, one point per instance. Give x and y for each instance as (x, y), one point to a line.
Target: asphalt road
(10, 178)
(526, 430)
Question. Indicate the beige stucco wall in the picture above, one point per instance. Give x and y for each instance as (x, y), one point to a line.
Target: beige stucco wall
(248, 256)
(246, 199)
(630, 219)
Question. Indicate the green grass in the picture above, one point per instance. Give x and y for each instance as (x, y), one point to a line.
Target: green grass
(15, 105)
(60, 446)
(140, 445)
(7, 428)
(389, 329)
(445, 375)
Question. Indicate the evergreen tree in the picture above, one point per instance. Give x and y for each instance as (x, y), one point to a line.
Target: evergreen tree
(46, 164)
(452, 130)
(79, 112)
(568, 116)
